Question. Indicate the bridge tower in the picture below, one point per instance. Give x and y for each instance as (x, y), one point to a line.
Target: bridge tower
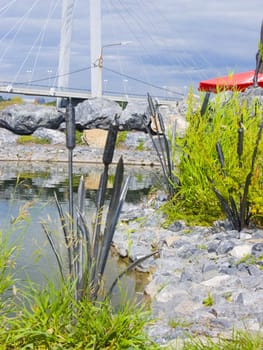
(95, 47)
(65, 45)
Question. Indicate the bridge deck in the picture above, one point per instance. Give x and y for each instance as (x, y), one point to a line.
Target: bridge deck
(82, 95)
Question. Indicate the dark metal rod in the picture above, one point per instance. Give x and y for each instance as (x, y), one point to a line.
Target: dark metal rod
(70, 143)
(70, 176)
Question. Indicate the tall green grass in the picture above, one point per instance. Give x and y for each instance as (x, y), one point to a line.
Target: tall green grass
(200, 170)
(52, 319)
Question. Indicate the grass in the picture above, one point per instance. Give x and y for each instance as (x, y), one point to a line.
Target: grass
(140, 146)
(238, 341)
(121, 138)
(26, 139)
(209, 300)
(52, 319)
(220, 165)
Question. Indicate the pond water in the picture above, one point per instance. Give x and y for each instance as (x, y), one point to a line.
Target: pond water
(27, 199)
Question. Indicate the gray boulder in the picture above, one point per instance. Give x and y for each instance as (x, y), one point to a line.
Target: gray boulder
(24, 119)
(7, 137)
(135, 116)
(53, 136)
(96, 113)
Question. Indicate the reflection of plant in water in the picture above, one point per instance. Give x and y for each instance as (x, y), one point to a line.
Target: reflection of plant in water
(139, 178)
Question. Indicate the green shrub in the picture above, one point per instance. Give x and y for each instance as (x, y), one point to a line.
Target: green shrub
(200, 171)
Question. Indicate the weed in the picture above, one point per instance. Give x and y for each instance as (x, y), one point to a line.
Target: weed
(251, 260)
(79, 137)
(209, 300)
(121, 138)
(175, 323)
(228, 296)
(140, 146)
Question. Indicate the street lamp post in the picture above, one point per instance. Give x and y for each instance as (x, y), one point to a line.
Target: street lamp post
(105, 81)
(49, 72)
(125, 85)
(100, 64)
(29, 72)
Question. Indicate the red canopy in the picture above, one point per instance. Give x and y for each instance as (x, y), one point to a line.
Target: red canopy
(239, 81)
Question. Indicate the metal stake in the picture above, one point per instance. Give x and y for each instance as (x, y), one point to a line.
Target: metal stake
(70, 143)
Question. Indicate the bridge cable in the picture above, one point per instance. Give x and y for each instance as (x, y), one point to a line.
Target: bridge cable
(40, 39)
(144, 82)
(21, 22)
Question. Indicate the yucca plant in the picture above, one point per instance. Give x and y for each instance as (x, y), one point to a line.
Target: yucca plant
(88, 249)
(238, 210)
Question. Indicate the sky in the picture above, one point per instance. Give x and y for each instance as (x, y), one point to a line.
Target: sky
(173, 44)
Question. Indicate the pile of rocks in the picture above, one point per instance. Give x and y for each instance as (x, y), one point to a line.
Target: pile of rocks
(205, 281)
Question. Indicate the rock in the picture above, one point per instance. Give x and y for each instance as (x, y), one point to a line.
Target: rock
(53, 136)
(240, 251)
(7, 137)
(177, 226)
(96, 113)
(137, 139)
(224, 247)
(216, 281)
(135, 116)
(257, 250)
(24, 119)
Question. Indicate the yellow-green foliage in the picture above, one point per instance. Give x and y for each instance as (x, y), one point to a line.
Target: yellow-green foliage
(25, 139)
(79, 135)
(195, 201)
(121, 137)
(12, 101)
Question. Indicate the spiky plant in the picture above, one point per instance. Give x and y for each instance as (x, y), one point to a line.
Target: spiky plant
(161, 146)
(88, 251)
(220, 163)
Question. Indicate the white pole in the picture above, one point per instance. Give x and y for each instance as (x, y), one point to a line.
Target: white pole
(95, 48)
(65, 44)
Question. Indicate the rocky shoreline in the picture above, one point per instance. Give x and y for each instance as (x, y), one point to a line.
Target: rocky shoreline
(206, 281)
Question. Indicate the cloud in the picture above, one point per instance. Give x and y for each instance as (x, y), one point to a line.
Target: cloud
(173, 42)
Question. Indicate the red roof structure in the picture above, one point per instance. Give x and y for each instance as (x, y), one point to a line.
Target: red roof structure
(239, 81)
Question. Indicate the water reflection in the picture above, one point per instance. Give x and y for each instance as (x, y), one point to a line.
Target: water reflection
(27, 198)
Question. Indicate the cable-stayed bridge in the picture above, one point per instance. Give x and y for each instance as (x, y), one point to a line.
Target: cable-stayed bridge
(59, 87)
(31, 90)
